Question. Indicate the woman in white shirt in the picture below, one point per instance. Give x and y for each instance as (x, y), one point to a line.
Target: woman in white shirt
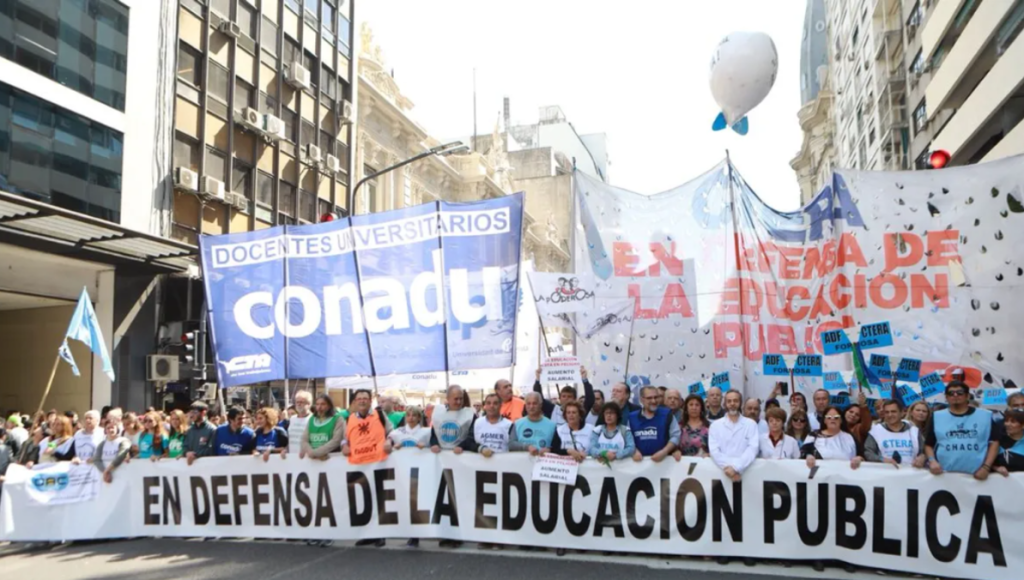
(831, 442)
(412, 433)
(775, 444)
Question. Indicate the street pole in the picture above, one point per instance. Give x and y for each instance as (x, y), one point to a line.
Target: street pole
(443, 150)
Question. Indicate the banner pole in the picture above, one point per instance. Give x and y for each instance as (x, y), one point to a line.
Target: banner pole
(444, 307)
(359, 282)
(629, 348)
(733, 208)
(49, 383)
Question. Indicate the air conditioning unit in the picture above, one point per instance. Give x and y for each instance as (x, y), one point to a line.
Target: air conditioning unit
(237, 201)
(313, 153)
(273, 127)
(333, 164)
(344, 112)
(213, 187)
(297, 76)
(162, 367)
(230, 28)
(252, 119)
(185, 178)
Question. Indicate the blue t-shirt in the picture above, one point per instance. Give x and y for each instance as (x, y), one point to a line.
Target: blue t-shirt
(540, 433)
(226, 442)
(146, 449)
(276, 439)
(650, 435)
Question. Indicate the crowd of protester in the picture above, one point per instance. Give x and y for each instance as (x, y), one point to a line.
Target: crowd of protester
(957, 436)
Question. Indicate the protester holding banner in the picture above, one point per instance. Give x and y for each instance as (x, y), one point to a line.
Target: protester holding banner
(594, 417)
(111, 452)
(511, 405)
(565, 395)
(453, 424)
(131, 427)
(324, 432)
(534, 432)
(858, 421)
(893, 440)
(297, 423)
(799, 426)
(84, 442)
(961, 438)
(655, 431)
(150, 442)
(733, 441)
(1011, 444)
(1015, 401)
(491, 432)
(234, 438)
(693, 428)
(412, 432)
(366, 435)
(387, 406)
(200, 435)
(178, 427)
(919, 415)
(775, 444)
(29, 453)
(612, 439)
(831, 442)
(59, 445)
(620, 396)
(797, 401)
(572, 438)
(715, 410)
(270, 438)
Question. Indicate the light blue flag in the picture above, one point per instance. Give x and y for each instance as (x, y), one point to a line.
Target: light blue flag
(85, 327)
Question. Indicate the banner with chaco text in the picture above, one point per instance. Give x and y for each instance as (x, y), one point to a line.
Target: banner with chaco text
(714, 278)
(904, 520)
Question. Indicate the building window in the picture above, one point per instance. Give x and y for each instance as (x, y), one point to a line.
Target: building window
(293, 5)
(195, 6)
(290, 119)
(327, 144)
(917, 66)
(222, 7)
(53, 155)
(407, 190)
(264, 196)
(286, 202)
(329, 83)
(309, 61)
(186, 152)
(307, 206)
(923, 160)
(246, 19)
(344, 34)
(241, 181)
(920, 117)
(81, 45)
(215, 164)
(370, 189)
(292, 53)
(218, 81)
(1010, 29)
(190, 65)
(327, 22)
(311, 6)
(871, 136)
(268, 36)
(308, 135)
(243, 94)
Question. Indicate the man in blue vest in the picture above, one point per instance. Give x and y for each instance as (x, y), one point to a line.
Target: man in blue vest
(961, 438)
(655, 431)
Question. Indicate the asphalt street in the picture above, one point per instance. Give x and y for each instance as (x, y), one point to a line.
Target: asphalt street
(173, 559)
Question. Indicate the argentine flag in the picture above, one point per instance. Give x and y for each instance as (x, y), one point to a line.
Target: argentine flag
(85, 327)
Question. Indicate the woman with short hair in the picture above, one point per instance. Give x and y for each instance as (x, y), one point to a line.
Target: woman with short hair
(612, 439)
(270, 437)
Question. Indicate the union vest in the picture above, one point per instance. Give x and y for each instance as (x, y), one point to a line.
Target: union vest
(320, 431)
(452, 427)
(650, 435)
(366, 438)
(904, 442)
(578, 440)
(961, 441)
(614, 443)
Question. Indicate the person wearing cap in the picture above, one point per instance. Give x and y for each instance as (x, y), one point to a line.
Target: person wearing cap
(961, 438)
(199, 438)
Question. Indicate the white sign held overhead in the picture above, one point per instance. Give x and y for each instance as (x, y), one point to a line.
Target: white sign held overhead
(561, 369)
(560, 293)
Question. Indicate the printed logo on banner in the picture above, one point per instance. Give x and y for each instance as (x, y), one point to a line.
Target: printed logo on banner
(879, 364)
(909, 370)
(449, 432)
(50, 482)
(721, 380)
(994, 396)
(774, 365)
(247, 364)
(697, 389)
(834, 381)
(908, 395)
(931, 385)
(841, 400)
(875, 335)
(807, 365)
(568, 290)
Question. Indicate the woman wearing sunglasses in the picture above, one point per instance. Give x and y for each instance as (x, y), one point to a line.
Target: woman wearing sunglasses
(831, 442)
(798, 427)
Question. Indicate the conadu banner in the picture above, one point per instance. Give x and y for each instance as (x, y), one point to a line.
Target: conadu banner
(715, 278)
(896, 519)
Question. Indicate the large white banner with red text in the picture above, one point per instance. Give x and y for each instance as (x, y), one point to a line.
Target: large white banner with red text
(706, 278)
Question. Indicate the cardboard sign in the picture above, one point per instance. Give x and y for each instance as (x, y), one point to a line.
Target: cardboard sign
(774, 365)
(875, 335)
(909, 370)
(834, 381)
(555, 469)
(879, 364)
(721, 380)
(908, 395)
(696, 389)
(841, 400)
(993, 396)
(932, 385)
(835, 342)
(560, 369)
(807, 365)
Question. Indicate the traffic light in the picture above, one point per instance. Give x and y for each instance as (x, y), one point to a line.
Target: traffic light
(190, 342)
(939, 159)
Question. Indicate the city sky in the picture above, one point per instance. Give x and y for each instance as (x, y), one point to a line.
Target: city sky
(637, 71)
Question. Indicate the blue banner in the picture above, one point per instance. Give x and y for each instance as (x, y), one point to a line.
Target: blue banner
(807, 365)
(421, 289)
(721, 380)
(932, 385)
(774, 365)
(909, 370)
(875, 335)
(834, 381)
(908, 395)
(696, 389)
(835, 342)
(879, 364)
(995, 396)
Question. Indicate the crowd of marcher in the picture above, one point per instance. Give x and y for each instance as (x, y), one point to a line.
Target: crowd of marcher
(958, 436)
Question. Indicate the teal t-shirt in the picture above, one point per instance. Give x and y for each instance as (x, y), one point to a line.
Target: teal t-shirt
(540, 433)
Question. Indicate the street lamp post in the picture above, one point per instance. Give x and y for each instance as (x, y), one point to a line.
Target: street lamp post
(440, 150)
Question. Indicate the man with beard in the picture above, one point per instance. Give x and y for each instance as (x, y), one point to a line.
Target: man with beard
(655, 431)
(752, 411)
(620, 396)
(894, 441)
(714, 404)
(734, 443)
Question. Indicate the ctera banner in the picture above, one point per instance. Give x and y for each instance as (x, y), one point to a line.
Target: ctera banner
(717, 279)
(905, 520)
(421, 289)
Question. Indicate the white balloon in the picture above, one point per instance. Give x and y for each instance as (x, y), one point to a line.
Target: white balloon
(743, 71)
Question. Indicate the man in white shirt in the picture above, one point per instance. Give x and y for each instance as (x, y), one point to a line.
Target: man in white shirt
(752, 411)
(297, 423)
(491, 431)
(733, 440)
(88, 437)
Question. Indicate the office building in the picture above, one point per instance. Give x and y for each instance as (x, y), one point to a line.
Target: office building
(815, 161)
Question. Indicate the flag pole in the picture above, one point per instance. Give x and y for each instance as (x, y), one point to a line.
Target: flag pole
(49, 383)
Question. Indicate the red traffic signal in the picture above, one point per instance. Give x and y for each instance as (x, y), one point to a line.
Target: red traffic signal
(939, 159)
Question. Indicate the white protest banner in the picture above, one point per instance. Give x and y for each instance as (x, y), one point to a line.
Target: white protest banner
(560, 369)
(561, 293)
(62, 483)
(555, 469)
(905, 520)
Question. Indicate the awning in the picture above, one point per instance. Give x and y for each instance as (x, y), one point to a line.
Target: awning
(40, 226)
